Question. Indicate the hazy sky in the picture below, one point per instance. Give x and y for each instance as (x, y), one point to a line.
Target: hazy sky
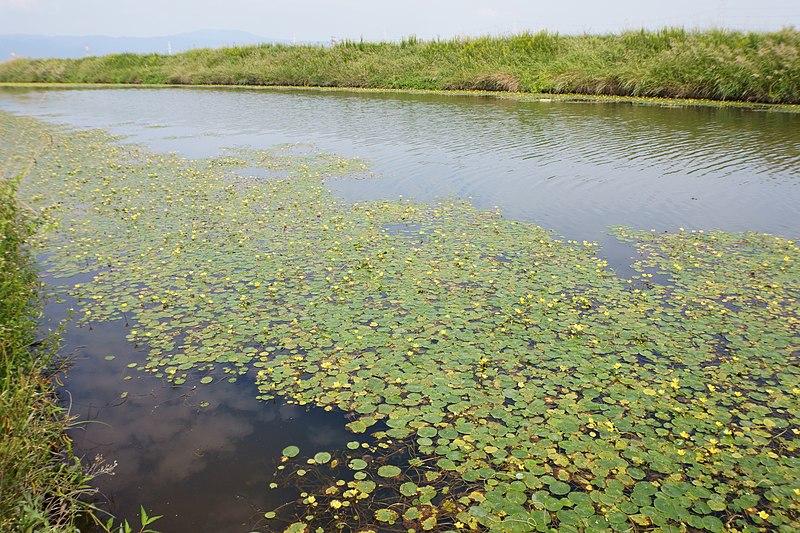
(319, 20)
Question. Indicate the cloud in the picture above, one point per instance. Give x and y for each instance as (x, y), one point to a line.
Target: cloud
(488, 12)
(19, 5)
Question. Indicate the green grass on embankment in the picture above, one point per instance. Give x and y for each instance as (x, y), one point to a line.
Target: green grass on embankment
(675, 63)
(40, 481)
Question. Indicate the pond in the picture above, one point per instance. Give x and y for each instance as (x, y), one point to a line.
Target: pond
(575, 168)
(204, 456)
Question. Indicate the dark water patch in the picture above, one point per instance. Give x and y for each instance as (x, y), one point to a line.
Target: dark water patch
(621, 256)
(203, 456)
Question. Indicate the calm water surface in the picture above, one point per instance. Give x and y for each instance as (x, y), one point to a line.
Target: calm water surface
(575, 168)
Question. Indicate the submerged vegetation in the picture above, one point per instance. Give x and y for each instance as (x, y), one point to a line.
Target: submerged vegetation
(715, 65)
(495, 377)
(41, 483)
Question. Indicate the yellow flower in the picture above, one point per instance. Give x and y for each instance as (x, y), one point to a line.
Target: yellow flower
(763, 514)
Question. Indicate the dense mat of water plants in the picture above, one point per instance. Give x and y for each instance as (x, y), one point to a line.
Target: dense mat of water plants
(502, 379)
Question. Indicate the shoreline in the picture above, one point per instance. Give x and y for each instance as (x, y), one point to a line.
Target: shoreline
(518, 96)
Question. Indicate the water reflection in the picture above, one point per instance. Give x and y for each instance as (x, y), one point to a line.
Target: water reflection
(201, 456)
(576, 168)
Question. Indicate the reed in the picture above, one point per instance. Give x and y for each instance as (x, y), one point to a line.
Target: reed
(714, 65)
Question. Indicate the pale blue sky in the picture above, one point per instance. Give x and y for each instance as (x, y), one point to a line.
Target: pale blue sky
(319, 20)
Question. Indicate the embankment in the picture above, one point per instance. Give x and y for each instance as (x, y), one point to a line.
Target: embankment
(672, 63)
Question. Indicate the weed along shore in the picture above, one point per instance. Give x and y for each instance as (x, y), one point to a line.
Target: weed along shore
(671, 63)
(41, 482)
(44, 484)
(491, 375)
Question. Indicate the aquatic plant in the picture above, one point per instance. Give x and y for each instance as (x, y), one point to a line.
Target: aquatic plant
(497, 377)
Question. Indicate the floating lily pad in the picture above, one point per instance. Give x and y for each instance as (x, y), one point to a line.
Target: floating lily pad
(357, 464)
(322, 457)
(559, 487)
(386, 515)
(291, 451)
(389, 471)
(408, 489)
(426, 431)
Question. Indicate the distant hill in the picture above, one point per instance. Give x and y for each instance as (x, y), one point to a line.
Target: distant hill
(43, 46)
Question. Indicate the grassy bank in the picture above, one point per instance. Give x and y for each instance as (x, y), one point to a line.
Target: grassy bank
(40, 482)
(715, 65)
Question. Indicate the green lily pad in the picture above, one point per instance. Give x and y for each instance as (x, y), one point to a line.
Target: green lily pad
(386, 515)
(408, 489)
(322, 457)
(559, 487)
(389, 471)
(291, 451)
(357, 464)
(427, 432)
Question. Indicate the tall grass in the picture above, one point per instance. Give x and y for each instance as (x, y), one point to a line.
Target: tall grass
(715, 64)
(41, 483)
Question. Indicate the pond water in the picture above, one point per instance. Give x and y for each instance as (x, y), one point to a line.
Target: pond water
(203, 457)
